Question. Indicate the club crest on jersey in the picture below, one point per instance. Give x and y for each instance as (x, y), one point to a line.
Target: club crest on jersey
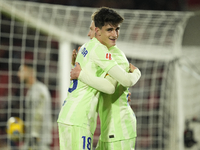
(109, 56)
(84, 52)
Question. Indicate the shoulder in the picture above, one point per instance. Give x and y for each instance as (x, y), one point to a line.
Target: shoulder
(98, 47)
(40, 87)
(98, 44)
(115, 49)
(43, 91)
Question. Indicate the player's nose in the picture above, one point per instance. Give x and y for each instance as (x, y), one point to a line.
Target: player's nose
(88, 34)
(114, 33)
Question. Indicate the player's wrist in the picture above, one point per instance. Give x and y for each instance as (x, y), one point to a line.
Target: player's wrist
(131, 70)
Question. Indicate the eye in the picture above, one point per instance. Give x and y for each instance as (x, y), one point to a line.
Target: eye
(117, 29)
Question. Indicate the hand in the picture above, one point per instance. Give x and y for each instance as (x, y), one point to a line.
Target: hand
(74, 55)
(129, 96)
(131, 68)
(74, 74)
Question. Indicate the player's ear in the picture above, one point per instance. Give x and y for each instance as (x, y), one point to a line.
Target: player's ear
(97, 31)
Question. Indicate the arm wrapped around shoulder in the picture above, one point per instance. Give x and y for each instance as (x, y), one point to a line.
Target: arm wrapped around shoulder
(101, 84)
(124, 78)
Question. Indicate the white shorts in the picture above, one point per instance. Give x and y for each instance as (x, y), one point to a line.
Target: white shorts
(74, 137)
(128, 144)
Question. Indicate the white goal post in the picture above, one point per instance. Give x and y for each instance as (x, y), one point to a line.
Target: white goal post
(152, 40)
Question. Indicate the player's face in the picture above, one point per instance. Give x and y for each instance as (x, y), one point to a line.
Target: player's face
(108, 34)
(91, 32)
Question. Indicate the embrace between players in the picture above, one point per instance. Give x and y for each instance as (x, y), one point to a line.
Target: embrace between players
(100, 82)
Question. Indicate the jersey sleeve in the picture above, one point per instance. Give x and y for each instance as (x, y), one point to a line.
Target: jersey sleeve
(105, 85)
(124, 78)
(103, 58)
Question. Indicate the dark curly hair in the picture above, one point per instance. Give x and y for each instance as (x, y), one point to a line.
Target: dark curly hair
(105, 16)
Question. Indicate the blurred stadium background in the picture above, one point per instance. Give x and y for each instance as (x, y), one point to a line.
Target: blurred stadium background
(162, 38)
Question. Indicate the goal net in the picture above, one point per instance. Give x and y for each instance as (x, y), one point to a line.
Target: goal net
(45, 35)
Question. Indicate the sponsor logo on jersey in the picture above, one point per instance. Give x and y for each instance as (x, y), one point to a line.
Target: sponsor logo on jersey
(84, 52)
(109, 56)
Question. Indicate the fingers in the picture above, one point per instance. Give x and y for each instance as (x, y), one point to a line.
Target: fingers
(71, 74)
(74, 51)
(74, 54)
(129, 96)
(79, 48)
(74, 74)
(131, 67)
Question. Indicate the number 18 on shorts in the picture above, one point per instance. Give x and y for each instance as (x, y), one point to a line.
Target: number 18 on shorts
(74, 138)
(87, 145)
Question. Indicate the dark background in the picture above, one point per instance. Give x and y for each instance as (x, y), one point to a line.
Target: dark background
(175, 5)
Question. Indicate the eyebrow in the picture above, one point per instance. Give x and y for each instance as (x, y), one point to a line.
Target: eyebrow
(113, 28)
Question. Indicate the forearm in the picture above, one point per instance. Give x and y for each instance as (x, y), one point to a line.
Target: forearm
(101, 84)
(124, 78)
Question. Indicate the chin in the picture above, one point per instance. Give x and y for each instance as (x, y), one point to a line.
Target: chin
(112, 45)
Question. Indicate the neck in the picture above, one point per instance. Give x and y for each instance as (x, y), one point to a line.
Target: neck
(101, 41)
(30, 81)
